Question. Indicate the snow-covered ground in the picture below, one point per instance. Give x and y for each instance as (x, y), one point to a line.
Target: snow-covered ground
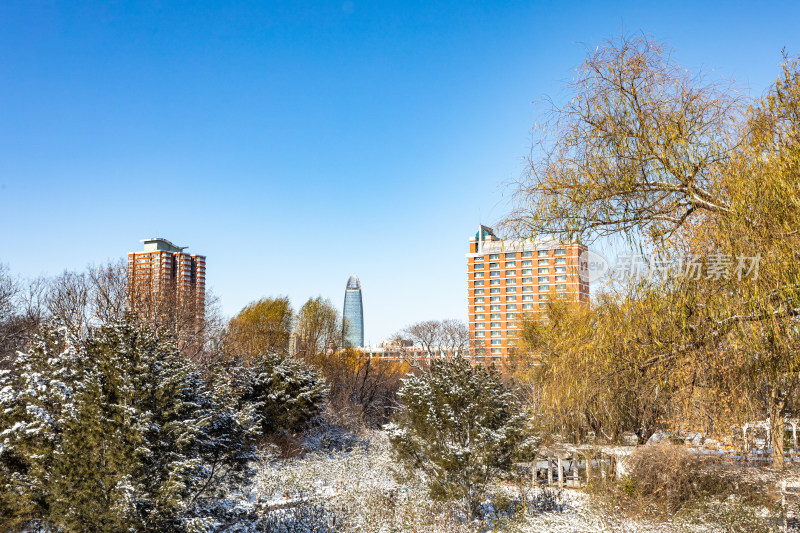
(360, 488)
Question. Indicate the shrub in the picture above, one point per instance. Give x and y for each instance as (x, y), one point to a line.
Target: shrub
(117, 433)
(670, 476)
(459, 426)
(285, 393)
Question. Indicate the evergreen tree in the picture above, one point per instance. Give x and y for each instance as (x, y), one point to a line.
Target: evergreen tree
(117, 433)
(284, 391)
(459, 426)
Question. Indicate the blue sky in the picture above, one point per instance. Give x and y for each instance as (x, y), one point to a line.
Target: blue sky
(297, 143)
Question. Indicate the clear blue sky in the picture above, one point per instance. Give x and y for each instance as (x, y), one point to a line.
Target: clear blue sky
(296, 143)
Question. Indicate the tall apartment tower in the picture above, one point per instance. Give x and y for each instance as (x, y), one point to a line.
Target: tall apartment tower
(353, 313)
(513, 279)
(163, 274)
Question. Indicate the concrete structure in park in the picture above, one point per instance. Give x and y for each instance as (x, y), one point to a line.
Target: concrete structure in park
(163, 274)
(511, 279)
(353, 313)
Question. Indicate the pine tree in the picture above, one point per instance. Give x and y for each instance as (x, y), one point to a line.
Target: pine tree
(285, 392)
(117, 433)
(459, 427)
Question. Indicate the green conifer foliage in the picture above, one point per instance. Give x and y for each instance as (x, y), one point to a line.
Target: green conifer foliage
(117, 433)
(459, 426)
(286, 392)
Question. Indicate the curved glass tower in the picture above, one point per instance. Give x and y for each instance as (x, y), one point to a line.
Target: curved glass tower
(353, 313)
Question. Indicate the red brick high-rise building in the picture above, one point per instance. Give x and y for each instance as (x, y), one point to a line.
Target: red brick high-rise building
(512, 279)
(163, 275)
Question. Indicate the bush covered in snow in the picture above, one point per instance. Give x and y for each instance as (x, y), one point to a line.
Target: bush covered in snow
(459, 427)
(286, 393)
(117, 433)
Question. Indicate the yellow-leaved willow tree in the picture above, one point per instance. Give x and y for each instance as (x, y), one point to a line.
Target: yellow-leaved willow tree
(688, 170)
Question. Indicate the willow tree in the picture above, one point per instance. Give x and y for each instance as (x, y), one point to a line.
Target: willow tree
(263, 326)
(678, 164)
(594, 367)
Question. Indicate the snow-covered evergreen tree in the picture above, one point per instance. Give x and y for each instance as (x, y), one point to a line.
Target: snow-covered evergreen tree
(459, 426)
(117, 433)
(286, 392)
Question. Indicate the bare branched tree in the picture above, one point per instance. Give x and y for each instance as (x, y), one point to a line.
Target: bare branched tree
(639, 148)
(432, 339)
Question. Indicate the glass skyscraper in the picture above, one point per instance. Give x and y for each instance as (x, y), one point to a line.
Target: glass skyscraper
(353, 313)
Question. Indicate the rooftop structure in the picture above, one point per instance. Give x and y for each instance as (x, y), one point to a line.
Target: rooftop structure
(162, 245)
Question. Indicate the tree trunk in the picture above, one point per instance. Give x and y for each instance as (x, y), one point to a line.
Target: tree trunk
(777, 428)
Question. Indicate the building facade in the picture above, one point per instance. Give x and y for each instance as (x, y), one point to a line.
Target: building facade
(514, 279)
(164, 275)
(353, 313)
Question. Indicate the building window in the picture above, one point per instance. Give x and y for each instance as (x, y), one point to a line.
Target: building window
(511, 289)
(561, 287)
(480, 333)
(511, 255)
(494, 308)
(495, 290)
(542, 297)
(478, 308)
(492, 282)
(542, 262)
(479, 317)
(525, 307)
(495, 316)
(478, 283)
(561, 278)
(542, 253)
(543, 270)
(478, 291)
(524, 289)
(512, 325)
(478, 266)
(561, 251)
(511, 315)
(511, 298)
(561, 260)
(494, 325)
(544, 279)
(527, 254)
(511, 281)
(527, 271)
(480, 325)
(494, 299)
(497, 342)
(478, 274)
(543, 306)
(495, 274)
(527, 280)
(544, 288)
(511, 272)
(494, 256)
(479, 300)
(496, 351)
(478, 258)
(561, 269)
(527, 263)
(494, 265)
(510, 264)
(511, 307)
(527, 298)
(496, 334)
